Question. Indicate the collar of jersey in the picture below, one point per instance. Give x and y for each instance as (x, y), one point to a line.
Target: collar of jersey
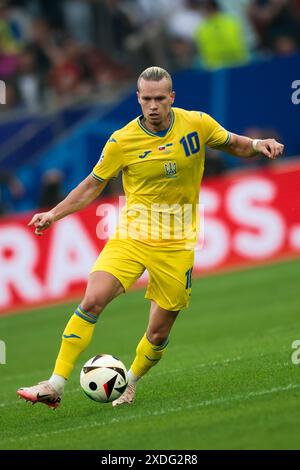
(139, 120)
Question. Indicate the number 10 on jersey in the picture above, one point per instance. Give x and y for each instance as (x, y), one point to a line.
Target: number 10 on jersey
(190, 143)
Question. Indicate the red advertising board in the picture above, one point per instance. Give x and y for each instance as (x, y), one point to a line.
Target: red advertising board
(249, 218)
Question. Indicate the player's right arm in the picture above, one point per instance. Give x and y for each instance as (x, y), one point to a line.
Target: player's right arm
(108, 166)
(77, 199)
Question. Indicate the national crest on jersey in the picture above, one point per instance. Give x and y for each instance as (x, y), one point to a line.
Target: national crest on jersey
(170, 169)
(160, 174)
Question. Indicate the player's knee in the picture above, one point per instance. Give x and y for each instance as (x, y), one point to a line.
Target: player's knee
(93, 304)
(157, 337)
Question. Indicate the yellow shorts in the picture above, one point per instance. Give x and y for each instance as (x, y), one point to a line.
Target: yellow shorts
(169, 270)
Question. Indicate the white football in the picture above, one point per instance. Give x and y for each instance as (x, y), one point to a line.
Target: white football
(103, 378)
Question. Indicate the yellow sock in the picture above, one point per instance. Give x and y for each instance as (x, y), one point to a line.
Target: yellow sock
(147, 356)
(75, 339)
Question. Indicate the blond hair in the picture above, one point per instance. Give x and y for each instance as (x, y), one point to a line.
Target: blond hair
(155, 74)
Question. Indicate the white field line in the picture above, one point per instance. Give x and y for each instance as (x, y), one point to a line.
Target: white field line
(162, 412)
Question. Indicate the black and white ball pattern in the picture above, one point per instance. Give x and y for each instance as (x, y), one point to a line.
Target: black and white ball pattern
(103, 378)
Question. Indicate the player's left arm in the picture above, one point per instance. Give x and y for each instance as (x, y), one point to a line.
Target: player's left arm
(242, 146)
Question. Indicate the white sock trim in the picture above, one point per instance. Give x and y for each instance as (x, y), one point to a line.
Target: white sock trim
(132, 379)
(57, 382)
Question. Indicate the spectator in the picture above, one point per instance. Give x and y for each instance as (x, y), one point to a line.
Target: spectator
(183, 22)
(148, 43)
(240, 9)
(8, 63)
(42, 44)
(9, 46)
(220, 38)
(79, 20)
(66, 75)
(28, 80)
(285, 45)
(183, 53)
(19, 21)
(277, 24)
(181, 26)
(114, 26)
(8, 40)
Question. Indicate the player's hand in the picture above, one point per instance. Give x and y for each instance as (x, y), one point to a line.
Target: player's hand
(270, 148)
(42, 222)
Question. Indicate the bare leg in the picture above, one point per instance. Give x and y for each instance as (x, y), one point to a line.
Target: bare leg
(160, 324)
(102, 288)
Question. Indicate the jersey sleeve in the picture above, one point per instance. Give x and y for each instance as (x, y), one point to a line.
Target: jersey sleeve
(214, 134)
(111, 161)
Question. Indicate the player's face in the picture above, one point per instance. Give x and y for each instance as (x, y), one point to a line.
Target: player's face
(156, 100)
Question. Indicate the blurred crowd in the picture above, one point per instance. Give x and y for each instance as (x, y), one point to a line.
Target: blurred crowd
(55, 52)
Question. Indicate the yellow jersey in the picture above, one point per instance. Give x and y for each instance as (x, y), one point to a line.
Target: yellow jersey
(161, 176)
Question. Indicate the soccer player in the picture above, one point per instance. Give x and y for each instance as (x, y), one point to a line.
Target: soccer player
(161, 155)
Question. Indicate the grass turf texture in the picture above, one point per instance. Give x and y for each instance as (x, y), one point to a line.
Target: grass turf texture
(226, 381)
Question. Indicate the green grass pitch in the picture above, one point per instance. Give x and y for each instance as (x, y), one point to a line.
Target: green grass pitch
(226, 381)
